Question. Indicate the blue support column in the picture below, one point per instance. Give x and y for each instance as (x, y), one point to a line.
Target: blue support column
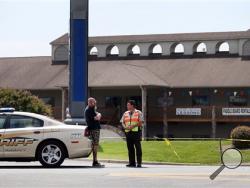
(78, 86)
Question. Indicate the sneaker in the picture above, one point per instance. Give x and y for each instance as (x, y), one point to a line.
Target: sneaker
(97, 164)
(138, 165)
(131, 165)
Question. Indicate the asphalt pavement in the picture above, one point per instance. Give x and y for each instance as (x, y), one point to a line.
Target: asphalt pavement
(79, 173)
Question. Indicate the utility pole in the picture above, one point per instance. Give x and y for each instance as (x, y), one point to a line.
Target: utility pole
(213, 122)
(165, 118)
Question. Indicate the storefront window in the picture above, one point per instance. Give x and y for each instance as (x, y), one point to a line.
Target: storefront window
(48, 100)
(237, 101)
(200, 100)
(113, 101)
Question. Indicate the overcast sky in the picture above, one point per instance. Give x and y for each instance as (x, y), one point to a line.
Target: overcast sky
(28, 26)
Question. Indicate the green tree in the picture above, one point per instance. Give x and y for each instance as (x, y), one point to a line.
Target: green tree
(23, 100)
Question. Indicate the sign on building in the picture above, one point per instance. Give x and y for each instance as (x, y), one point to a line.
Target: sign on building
(236, 111)
(188, 111)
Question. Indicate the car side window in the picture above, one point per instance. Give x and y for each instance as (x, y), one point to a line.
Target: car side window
(2, 121)
(24, 121)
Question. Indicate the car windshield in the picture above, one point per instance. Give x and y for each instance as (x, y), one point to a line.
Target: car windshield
(2, 120)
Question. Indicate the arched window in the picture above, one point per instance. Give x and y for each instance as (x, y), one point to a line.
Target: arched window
(134, 50)
(246, 49)
(155, 49)
(61, 53)
(222, 47)
(200, 47)
(177, 48)
(112, 51)
(93, 51)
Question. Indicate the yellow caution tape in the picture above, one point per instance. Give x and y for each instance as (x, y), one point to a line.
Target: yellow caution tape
(168, 143)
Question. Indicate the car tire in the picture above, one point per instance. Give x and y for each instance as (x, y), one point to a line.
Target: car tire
(51, 154)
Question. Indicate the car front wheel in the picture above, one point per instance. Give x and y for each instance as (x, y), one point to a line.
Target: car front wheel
(51, 154)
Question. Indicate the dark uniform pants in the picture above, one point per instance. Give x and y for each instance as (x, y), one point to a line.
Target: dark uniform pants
(134, 142)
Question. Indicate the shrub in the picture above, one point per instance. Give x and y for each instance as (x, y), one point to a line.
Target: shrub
(23, 101)
(241, 132)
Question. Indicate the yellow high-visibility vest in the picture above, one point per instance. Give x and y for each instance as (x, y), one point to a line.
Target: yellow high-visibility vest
(132, 120)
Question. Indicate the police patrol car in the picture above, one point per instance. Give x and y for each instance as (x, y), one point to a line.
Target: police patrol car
(31, 137)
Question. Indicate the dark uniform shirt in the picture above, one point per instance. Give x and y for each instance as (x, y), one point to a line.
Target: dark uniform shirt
(90, 114)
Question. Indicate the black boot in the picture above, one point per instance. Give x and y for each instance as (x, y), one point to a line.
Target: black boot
(131, 165)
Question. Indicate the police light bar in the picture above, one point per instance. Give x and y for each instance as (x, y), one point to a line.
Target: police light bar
(7, 109)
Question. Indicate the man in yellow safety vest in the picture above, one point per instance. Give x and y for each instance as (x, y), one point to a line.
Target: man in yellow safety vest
(132, 121)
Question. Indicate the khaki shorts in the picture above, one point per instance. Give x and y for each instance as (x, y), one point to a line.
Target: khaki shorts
(94, 136)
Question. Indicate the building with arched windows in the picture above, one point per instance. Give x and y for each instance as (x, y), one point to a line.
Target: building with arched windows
(188, 85)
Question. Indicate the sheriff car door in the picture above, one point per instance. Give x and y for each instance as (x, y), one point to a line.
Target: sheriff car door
(22, 136)
(2, 129)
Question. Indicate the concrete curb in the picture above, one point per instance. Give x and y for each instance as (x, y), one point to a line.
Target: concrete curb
(144, 162)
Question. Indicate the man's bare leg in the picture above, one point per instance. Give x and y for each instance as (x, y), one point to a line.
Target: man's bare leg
(95, 149)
